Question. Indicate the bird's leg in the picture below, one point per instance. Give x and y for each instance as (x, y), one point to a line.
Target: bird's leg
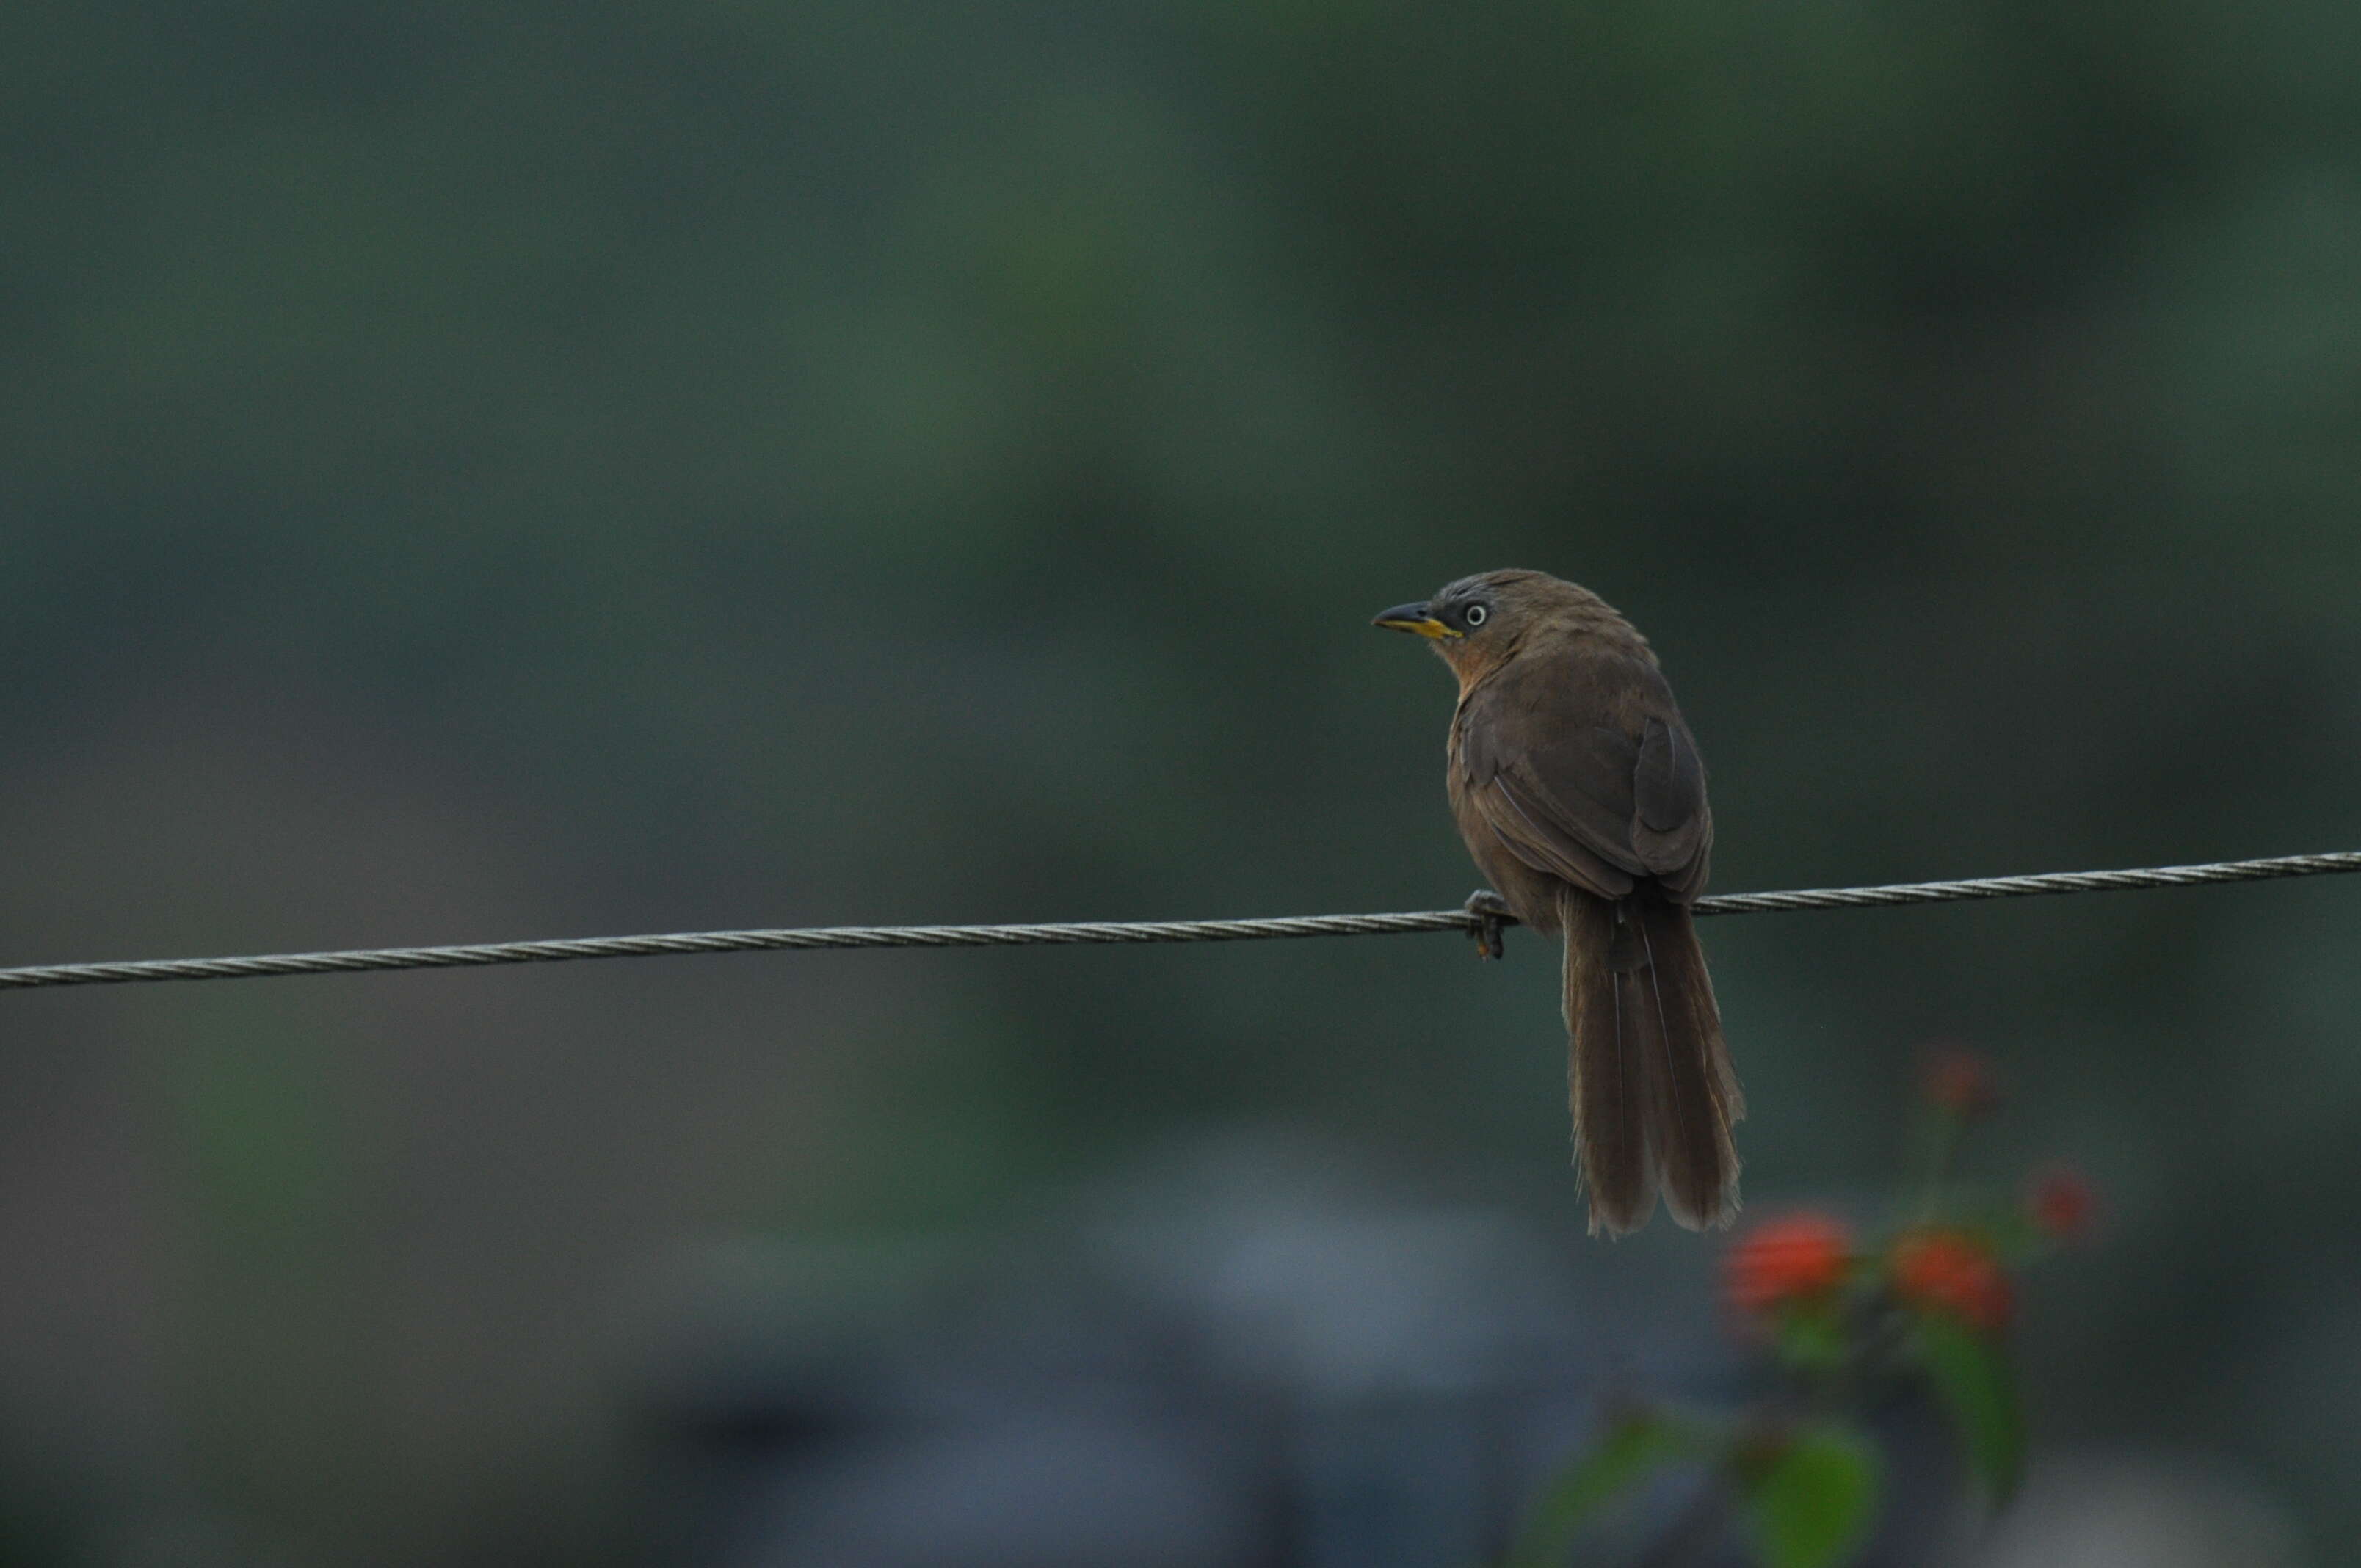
(1488, 916)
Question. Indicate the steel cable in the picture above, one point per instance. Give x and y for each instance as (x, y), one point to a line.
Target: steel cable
(1473, 922)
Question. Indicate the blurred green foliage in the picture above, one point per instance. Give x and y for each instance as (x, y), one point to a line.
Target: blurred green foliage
(521, 470)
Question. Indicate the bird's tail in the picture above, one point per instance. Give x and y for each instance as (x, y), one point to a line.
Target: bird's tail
(1651, 1080)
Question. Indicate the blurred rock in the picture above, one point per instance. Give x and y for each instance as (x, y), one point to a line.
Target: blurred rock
(1250, 1352)
(2110, 1509)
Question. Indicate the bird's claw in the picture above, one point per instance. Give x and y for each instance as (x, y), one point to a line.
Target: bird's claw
(1487, 916)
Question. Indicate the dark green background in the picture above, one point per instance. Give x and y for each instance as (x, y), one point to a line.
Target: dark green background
(473, 472)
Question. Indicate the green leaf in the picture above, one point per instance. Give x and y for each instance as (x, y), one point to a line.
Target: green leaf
(1972, 1380)
(1812, 1337)
(1812, 1503)
(1636, 1446)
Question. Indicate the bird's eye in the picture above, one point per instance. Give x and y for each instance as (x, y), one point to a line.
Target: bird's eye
(1478, 615)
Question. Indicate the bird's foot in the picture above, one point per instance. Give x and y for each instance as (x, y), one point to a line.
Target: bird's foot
(1488, 916)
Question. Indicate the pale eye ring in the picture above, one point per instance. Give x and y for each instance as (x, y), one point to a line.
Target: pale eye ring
(1478, 615)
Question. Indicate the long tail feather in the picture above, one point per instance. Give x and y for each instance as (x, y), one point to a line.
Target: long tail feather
(1652, 1088)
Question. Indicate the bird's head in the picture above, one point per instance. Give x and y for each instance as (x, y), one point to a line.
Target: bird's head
(1478, 621)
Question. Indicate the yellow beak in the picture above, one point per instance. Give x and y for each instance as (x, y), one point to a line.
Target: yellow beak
(1414, 618)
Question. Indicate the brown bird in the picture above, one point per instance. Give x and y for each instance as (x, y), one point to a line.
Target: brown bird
(1582, 797)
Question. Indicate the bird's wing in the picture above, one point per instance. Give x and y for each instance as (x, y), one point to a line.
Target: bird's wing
(1580, 764)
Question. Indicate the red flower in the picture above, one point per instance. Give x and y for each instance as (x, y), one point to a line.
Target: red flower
(1954, 1272)
(1787, 1260)
(2062, 1203)
(1958, 1080)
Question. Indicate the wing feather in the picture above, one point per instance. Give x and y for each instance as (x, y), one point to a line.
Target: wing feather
(1581, 766)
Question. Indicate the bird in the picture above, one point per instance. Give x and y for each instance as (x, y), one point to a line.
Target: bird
(1581, 795)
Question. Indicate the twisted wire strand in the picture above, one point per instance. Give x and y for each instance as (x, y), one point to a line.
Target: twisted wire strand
(1471, 922)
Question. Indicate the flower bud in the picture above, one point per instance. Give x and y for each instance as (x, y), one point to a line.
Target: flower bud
(1958, 1080)
(2062, 1204)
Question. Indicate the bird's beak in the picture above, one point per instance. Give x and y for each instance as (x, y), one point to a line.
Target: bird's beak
(1414, 618)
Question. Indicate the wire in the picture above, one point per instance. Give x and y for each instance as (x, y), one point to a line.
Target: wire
(1475, 920)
